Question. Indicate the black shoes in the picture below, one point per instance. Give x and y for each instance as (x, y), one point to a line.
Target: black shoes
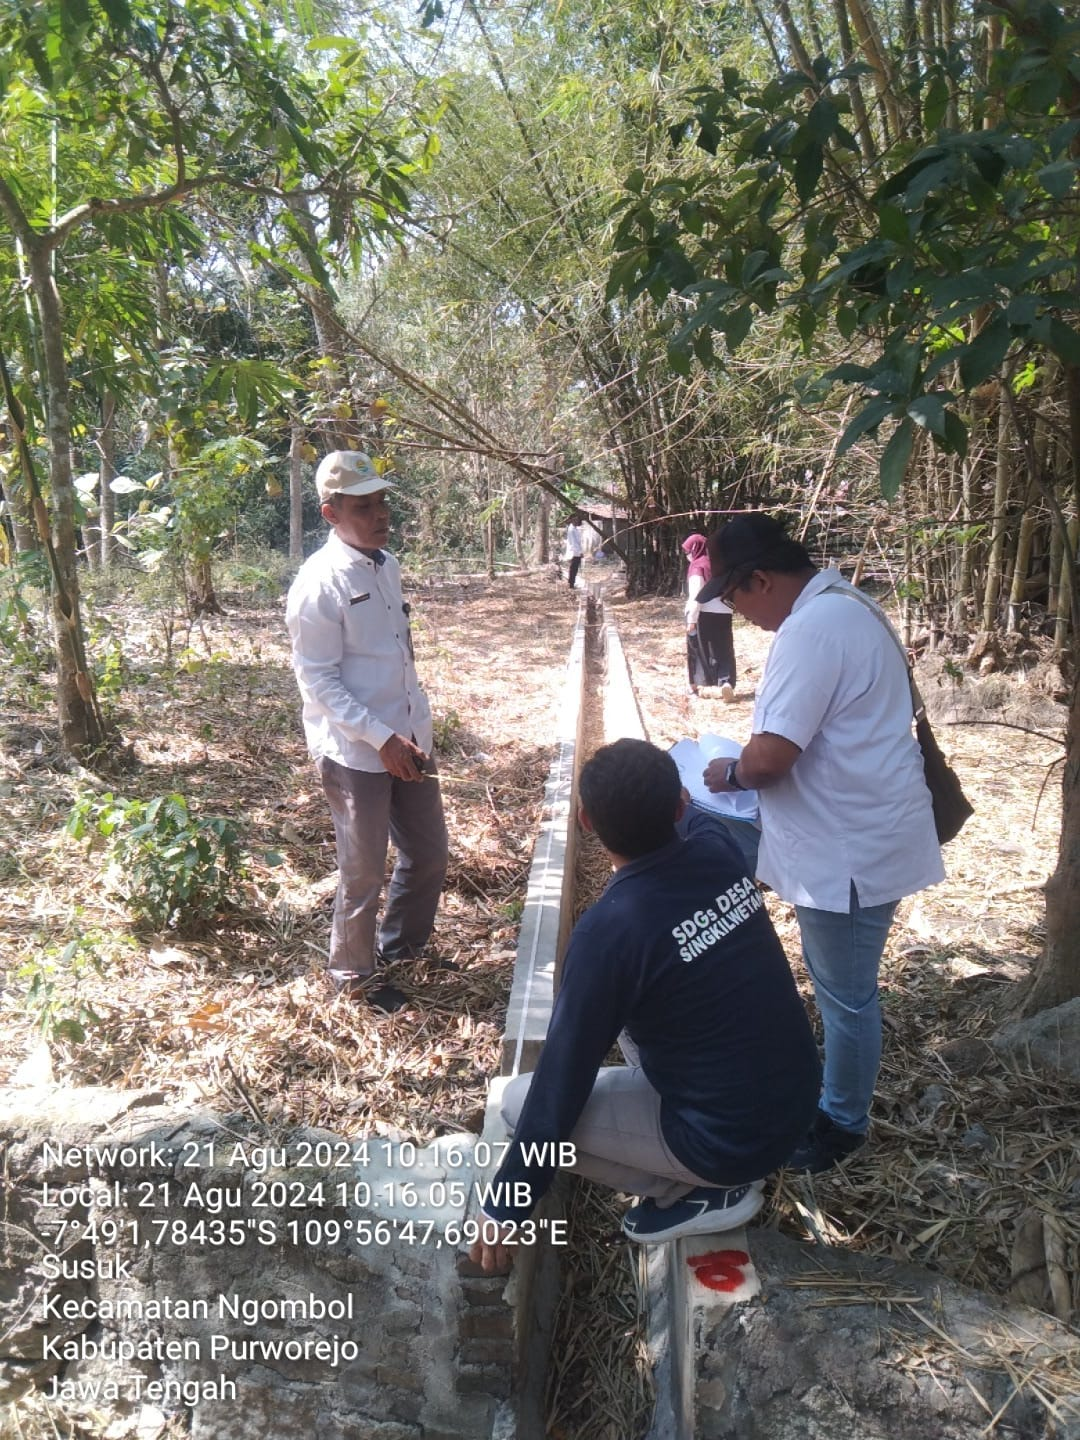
(366, 989)
(386, 998)
(361, 990)
(825, 1145)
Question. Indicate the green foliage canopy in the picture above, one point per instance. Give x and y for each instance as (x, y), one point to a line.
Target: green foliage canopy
(963, 256)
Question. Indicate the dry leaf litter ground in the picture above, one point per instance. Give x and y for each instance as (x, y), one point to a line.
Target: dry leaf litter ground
(960, 1148)
(242, 1015)
(971, 1170)
(966, 1159)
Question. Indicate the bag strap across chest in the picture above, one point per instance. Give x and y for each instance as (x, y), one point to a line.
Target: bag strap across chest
(918, 705)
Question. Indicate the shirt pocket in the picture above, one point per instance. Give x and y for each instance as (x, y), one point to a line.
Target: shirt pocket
(360, 623)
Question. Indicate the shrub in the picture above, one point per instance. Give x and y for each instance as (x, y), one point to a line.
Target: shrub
(53, 989)
(24, 641)
(173, 868)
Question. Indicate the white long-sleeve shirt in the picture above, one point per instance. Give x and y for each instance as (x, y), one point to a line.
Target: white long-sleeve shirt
(352, 654)
(694, 584)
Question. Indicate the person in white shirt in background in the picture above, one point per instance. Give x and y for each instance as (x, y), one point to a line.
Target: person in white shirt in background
(369, 730)
(846, 816)
(710, 644)
(574, 549)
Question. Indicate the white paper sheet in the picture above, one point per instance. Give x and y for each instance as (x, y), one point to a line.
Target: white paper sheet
(692, 756)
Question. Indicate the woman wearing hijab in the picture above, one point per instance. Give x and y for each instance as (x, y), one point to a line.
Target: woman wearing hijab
(710, 646)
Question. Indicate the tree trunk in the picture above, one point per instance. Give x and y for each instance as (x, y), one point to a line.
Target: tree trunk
(964, 604)
(948, 36)
(995, 563)
(198, 578)
(863, 132)
(199, 585)
(909, 26)
(814, 29)
(82, 730)
(928, 31)
(865, 27)
(1063, 607)
(296, 493)
(994, 31)
(933, 553)
(1053, 593)
(107, 472)
(1021, 565)
(791, 30)
(22, 522)
(542, 551)
(1072, 394)
(334, 381)
(1058, 976)
(483, 487)
(516, 511)
(909, 565)
(91, 525)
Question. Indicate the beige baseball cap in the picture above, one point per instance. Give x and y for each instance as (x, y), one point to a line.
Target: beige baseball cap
(348, 472)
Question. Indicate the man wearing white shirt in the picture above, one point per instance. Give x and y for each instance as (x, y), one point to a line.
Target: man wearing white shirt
(847, 823)
(574, 549)
(369, 729)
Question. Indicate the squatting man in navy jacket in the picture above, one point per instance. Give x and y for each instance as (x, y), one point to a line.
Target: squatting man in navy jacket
(678, 961)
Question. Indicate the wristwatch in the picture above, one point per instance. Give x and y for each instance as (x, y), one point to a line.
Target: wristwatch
(730, 778)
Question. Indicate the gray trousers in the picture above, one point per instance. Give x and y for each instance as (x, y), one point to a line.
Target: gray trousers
(369, 810)
(618, 1140)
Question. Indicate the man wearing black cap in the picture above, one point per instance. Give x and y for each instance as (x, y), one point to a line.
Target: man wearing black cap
(846, 817)
(368, 727)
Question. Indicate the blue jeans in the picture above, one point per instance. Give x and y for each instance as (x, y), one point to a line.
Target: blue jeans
(842, 952)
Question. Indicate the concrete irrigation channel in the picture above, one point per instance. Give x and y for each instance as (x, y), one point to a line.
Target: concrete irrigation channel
(163, 1270)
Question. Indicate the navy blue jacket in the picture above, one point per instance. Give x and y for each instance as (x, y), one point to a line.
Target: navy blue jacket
(680, 951)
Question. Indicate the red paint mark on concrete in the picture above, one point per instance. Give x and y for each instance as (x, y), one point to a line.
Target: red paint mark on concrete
(720, 1269)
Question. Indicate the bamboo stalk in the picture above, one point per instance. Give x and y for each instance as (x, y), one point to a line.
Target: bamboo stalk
(1002, 481)
(1064, 595)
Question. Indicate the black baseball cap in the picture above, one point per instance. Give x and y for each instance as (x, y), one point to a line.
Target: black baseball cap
(747, 543)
